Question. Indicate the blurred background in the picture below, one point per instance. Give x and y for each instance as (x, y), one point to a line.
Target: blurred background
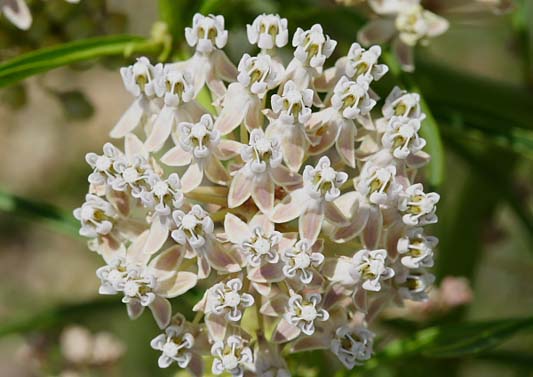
(48, 287)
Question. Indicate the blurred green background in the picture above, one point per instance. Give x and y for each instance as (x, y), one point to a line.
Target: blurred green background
(477, 79)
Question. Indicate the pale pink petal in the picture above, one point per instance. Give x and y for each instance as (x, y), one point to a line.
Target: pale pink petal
(373, 228)
(234, 110)
(204, 268)
(376, 31)
(157, 236)
(160, 130)
(335, 295)
(288, 240)
(135, 309)
(169, 259)
(327, 80)
(310, 343)
(285, 332)
(346, 143)
(334, 214)
(162, 311)
(290, 207)
(284, 177)
(310, 222)
(262, 288)
(394, 233)
(236, 229)
(18, 13)
(418, 160)
(262, 221)
(405, 54)
(216, 325)
(196, 365)
(224, 66)
(133, 146)
(267, 273)
(357, 223)
(239, 190)
(176, 156)
(339, 270)
(192, 177)
(227, 149)
(326, 138)
(293, 146)
(135, 251)
(110, 248)
(215, 171)
(360, 300)
(129, 120)
(185, 280)
(254, 116)
(275, 306)
(220, 258)
(121, 200)
(263, 193)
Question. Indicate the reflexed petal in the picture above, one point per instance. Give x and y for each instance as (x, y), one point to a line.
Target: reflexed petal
(394, 233)
(267, 273)
(224, 66)
(418, 160)
(234, 109)
(135, 309)
(346, 143)
(284, 177)
(275, 306)
(262, 221)
(310, 343)
(373, 228)
(285, 332)
(227, 149)
(185, 280)
(376, 31)
(133, 146)
(254, 116)
(290, 207)
(17, 12)
(357, 224)
(360, 300)
(157, 236)
(129, 120)
(310, 222)
(334, 214)
(196, 365)
(404, 53)
(293, 146)
(216, 325)
(204, 268)
(176, 156)
(236, 229)
(160, 130)
(169, 259)
(110, 248)
(221, 259)
(192, 177)
(263, 193)
(239, 190)
(339, 270)
(162, 311)
(215, 171)
(135, 253)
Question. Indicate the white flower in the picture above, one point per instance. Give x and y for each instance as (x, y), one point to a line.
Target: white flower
(97, 216)
(231, 356)
(261, 246)
(401, 136)
(139, 285)
(200, 138)
(361, 62)
(352, 346)
(322, 181)
(163, 195)
(302, 312)
(312, 46)
(417, 207)
(416, 249)
(227, 298)
(192, 227)
(206, 33)
(259, 73)
(372, 269)
(132, 174)
(400, 103)
(175, 86)
(112, 277)
(414, 285)
(351, 98)
(294, 105)
(103, 165)
(175, 345)
(414, 23)
(377, 183)
(262, 153)
(268, 31)
(388, 7)
(301, 260)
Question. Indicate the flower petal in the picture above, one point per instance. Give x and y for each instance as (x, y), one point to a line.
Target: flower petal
(373, 228)
(215, 171)
(192, 178)
(275, 306)
(162, 311)
(239, 190)
(135, 309)
(160, 130)
(310, 222)
(133, 146)
(405, 54)
(169, 259)
(129, 120)
(261, 220)
(267, 273)
(284, 177)
(221, 259)
(236, 229)
(293, 146)
(234, 109)
(263, 193)
(346, 143)
(290, 207)
(227, 149)
(176, 156)
(310, 343)
(185, 280)
(357, 223)
(334, 214)
(216, 325)
(157, 236)
(285, 332)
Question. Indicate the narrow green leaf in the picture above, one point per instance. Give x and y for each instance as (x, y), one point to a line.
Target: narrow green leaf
(45, 59)
(33, 210)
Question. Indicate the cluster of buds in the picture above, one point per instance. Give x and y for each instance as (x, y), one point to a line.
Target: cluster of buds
(293, 244)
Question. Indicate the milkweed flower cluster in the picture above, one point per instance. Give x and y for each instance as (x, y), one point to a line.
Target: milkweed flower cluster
(289, 208)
